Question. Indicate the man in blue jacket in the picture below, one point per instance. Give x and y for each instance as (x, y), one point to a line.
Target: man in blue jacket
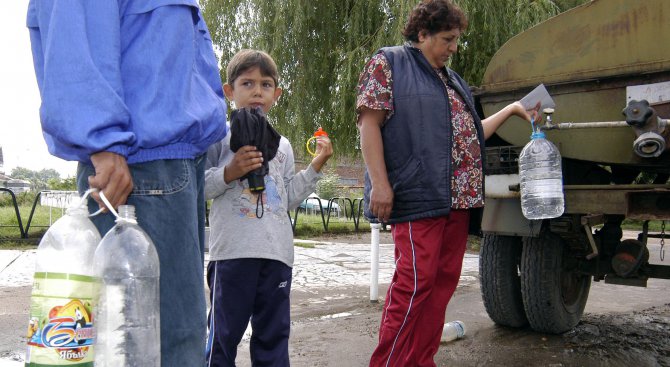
(131, 90)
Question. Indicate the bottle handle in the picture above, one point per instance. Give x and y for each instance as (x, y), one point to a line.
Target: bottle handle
(108, 205)
(84, 199)
(308, 145)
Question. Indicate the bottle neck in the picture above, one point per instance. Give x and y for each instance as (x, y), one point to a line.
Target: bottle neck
(127, 213)
(537, 135)
(77, 211)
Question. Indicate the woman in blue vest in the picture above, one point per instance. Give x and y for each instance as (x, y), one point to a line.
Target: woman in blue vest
(423, 146)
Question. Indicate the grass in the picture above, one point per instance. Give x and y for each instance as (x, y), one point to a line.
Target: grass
(636, 225)
(304, 245)
(311, 225)
(10, 234)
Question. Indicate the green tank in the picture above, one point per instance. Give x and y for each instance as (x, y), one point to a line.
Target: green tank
(587, 58)
(606, 65)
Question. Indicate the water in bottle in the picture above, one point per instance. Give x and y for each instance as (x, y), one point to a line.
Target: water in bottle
(452, 330)
(128, 311)
(541, 179)
(60, 330)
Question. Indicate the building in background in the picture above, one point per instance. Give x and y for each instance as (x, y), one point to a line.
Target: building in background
(17, 186)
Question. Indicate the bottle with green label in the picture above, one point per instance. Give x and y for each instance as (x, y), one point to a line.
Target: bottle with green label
(60, 330)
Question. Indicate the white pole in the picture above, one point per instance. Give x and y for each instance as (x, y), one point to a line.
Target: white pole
(374, 261)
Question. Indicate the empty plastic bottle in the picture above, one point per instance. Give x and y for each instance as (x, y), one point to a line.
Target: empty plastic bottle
(128, 310)
(452, 330)
(60, 331)
(541, 179)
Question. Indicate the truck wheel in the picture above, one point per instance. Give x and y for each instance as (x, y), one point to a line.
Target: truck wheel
(499, 261)
(554, 293)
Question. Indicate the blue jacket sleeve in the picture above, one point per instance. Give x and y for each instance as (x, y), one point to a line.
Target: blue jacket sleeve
(76, 54)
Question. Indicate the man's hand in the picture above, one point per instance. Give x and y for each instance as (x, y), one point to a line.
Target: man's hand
(246, 159)
(112, 177)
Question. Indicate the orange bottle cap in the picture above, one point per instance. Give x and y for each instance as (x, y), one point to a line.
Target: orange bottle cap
(320, 132)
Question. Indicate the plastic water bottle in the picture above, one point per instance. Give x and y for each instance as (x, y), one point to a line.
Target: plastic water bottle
(60, 331)
(452, 330)
(541, 179)
(128, 311)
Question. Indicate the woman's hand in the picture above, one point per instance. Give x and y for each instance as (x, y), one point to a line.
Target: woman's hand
(381, 200)
(527, 115)
(246, 159)
(493, 122)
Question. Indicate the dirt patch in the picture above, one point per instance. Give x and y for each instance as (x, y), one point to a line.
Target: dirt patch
(622, 326)
(338, 326)
(638, 337)
(343, 332)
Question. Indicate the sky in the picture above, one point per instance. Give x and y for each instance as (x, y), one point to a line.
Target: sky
(20, 132)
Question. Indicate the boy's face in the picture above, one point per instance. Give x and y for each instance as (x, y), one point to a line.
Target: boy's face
(252, 89)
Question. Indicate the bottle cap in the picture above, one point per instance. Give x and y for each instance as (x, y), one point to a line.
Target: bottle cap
(537, 135)
(320, 132)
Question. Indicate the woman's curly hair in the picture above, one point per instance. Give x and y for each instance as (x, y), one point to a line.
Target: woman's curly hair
(434, 16)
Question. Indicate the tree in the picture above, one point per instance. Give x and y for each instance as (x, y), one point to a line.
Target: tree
(321, 46)
(38, 179)
(66, 184)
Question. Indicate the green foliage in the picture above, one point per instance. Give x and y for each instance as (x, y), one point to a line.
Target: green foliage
(38, 179)
(321, 46)
(492, 23)
(66, 184)
(327, 188)
(569, 4)
(636, 225)
(22, 199)
(310, 226)
(42, 218)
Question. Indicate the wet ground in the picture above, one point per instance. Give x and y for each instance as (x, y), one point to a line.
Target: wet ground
(335, 324)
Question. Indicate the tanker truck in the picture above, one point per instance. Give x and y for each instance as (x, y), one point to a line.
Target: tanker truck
(606, 64)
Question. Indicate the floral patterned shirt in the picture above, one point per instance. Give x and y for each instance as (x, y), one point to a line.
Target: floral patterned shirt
(375, 91)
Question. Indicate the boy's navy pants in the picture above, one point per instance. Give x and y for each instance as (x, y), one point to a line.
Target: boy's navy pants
(243, 290)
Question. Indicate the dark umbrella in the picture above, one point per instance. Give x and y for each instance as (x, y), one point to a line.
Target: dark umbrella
(250, 127)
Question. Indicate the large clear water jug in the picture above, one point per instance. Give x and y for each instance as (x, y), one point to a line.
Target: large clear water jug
(60, 330)
(541, 179)
(128, 310)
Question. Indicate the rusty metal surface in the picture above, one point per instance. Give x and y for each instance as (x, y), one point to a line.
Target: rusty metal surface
(618, 199)
(504, 217)
(648, 205)
(598, 39)
(586, 57)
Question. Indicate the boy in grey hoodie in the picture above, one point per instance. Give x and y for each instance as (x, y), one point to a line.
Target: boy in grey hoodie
(251, 258)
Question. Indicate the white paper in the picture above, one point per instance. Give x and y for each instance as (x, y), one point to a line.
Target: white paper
(539, 94)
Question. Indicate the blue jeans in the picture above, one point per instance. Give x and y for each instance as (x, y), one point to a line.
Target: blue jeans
(168, 196)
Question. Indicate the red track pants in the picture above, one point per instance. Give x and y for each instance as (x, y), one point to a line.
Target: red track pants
(429, 257)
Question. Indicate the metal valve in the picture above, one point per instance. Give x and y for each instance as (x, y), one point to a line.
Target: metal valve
(638, 113)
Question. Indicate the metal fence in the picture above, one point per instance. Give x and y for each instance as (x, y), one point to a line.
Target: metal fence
(52, 199)
(351, 208)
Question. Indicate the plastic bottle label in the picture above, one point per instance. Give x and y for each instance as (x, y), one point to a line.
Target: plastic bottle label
(60, 331)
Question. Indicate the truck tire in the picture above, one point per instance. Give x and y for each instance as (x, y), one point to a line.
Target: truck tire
(554, 293)
(499, 261)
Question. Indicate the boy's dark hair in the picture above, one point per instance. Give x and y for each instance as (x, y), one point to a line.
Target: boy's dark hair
(434, 16)
(247, 59)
